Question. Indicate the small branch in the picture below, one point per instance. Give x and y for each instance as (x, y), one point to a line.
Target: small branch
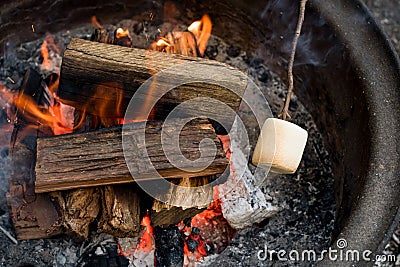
(284, 113)
(9, 235)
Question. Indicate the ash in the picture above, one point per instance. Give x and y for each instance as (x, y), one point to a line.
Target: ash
(305, 200)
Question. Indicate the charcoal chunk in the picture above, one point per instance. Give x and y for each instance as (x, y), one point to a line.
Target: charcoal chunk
(233, 51)
(192, 244)
(211, 51)
(169, 246)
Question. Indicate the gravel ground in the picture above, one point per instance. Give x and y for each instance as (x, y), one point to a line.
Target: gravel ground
(387, 13)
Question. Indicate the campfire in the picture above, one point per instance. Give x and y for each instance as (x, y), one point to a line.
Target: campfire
(77, 149)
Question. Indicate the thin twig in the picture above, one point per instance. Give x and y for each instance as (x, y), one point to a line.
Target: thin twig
(284, 113)
(9, 235)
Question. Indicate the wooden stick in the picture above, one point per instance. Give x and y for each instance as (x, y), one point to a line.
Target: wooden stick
(285, 111)
(9, 235)
(97, 158)
(102, 78)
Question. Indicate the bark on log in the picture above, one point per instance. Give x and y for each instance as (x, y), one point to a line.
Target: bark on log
(102, 78)
(97, 157)
(33, 215)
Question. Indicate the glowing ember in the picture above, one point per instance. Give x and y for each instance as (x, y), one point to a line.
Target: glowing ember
(64, 115)
(146, 243)
(209, 233)
(143, 253)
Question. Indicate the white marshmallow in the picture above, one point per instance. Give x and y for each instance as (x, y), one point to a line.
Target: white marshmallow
(280, 146)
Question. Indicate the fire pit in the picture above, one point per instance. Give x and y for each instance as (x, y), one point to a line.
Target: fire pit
(352, 103)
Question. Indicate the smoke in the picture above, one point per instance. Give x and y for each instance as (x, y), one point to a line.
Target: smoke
(317, 42)
(5, 135)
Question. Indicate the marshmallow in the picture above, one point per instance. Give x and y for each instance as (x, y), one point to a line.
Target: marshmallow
(280, 146)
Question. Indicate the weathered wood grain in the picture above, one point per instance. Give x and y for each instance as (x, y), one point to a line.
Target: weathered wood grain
(102, 78)
(97, 158)
(120, 210)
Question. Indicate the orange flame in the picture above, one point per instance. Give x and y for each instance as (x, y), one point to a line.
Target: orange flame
(46, 64)
(162, 45)
(121, 33)
(202, 30)
(35, 113)
(54, 85)
(96, 23)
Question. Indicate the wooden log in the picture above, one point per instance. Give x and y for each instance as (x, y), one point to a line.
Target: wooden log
(97, 158)
(102, 35)
(116, 36)
(33, 215)
(178, 205)
(119, 204)
(172, 216)
(114, 208)
(79, 208)
(102, 78)
(190, 193)
(121, 210)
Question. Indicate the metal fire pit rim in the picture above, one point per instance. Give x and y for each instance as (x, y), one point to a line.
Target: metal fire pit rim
(378, 65)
